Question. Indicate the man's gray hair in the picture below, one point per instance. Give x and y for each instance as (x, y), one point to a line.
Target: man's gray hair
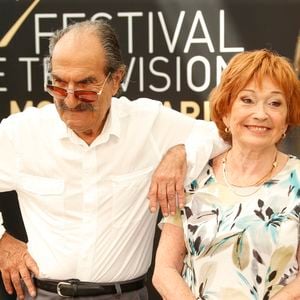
(107, 38)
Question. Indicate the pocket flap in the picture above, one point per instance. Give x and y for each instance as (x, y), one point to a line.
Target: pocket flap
(41, 185)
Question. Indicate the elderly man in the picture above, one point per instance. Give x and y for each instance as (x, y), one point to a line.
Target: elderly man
(82, 169)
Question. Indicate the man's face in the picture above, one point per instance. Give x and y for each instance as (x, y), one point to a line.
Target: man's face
(78, 63)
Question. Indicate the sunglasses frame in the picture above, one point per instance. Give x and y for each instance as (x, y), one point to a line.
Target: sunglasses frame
(62, 93)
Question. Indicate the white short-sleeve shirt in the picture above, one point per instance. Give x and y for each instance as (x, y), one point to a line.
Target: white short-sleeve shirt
(85, 207)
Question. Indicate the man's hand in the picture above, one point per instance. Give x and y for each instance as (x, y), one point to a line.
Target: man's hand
(167, 183)
(16, 264)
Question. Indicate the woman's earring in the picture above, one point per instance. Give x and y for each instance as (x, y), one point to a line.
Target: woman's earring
(227, 130)
(283, 135)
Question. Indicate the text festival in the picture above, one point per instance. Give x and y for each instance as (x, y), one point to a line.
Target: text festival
(180, 44)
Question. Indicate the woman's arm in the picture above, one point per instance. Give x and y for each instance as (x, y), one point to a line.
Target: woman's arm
(292, 290)
(168, 265)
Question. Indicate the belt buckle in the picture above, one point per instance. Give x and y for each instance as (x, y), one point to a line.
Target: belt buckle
(59, 286)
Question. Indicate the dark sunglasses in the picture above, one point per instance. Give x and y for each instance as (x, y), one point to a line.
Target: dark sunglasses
(83, 95)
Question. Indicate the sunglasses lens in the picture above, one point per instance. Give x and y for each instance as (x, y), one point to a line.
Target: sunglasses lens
(60, 93)
(57, 91)
(86, 96)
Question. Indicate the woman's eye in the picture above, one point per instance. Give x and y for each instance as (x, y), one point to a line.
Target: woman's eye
(246, 100)
(275, 103)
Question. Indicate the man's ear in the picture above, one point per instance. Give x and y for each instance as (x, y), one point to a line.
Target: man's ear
(117, 78)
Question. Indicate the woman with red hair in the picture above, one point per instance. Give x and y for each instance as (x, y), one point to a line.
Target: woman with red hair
(237, 237)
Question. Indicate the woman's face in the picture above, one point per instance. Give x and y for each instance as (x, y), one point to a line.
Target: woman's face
(258, 115)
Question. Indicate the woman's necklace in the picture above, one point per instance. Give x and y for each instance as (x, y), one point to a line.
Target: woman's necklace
(258, 183)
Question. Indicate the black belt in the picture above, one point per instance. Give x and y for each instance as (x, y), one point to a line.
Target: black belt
(77, 288)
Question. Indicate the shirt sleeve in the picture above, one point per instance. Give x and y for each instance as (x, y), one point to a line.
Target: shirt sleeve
(202, 144)
(2, 229)
(201, 138)
(170, 128)
(8, 159)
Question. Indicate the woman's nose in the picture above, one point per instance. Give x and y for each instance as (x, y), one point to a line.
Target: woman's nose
(261, 111)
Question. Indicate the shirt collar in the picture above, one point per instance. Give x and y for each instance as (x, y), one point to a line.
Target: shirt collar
(112, 125)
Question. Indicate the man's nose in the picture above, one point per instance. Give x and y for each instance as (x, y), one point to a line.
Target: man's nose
(71, 101)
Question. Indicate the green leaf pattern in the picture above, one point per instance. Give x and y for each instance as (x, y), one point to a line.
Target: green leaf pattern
(242, 248)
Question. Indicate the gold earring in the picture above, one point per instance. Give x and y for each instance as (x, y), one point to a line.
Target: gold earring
(283, 135)
(227, 130)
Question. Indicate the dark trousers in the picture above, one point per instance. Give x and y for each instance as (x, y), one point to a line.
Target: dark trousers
(141, 294)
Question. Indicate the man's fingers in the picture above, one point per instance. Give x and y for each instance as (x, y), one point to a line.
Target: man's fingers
(152, 196)
(15, 266)
(171, 196)
(167, 181)
(27, 279)
(180, 193)
(15, 278)
(31, 264)
(162, 198)
(7, 282)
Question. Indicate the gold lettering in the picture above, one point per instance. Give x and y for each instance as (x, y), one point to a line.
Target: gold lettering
(190, 108)
(43, 103)
(15, 108)
(206, 110)
(167, 104)
(12, 31)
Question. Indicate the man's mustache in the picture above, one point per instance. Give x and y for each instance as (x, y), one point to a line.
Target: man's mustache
(79, 108)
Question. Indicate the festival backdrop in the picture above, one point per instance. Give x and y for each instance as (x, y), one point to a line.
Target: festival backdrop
(175, 52)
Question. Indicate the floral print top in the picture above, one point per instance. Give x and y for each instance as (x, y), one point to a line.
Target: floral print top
(242, 247)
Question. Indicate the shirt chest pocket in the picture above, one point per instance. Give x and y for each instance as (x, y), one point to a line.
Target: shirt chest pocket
(45, 192)
(129, 197)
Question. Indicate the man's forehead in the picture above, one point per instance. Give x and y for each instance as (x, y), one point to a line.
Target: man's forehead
(82, 41)
(77, 54)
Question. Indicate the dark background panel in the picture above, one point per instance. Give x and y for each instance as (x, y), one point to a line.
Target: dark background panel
(272, 24)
